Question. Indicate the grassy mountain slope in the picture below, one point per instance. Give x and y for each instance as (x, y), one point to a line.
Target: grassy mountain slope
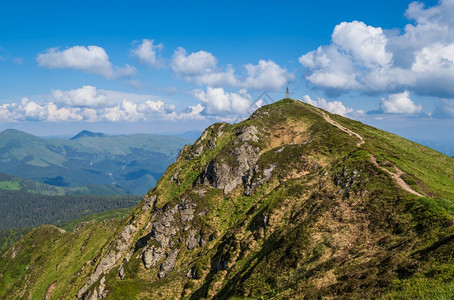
(8, 237)
(89, 158)
(282, 205)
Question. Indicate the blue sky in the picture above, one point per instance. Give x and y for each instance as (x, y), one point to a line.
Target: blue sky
(162, 66)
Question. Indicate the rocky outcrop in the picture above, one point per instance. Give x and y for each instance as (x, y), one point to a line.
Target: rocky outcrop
(248, 133)
(176, 177)
(252, 181)
(114, 253)
(168, 264)
(166, 224)
(149, 202)
(186, 209)
(346, 180)
(164, 228)
(227, 176)
(152, 255)
(192, 241)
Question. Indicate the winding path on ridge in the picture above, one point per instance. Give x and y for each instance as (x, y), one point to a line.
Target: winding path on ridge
(396, 176)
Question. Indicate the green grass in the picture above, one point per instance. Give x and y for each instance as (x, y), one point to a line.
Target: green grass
(106, 215)
(54, 256)
(10, 185)
(432, 169)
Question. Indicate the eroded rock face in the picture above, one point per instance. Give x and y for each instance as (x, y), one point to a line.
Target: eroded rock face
(168, 264)
(176, 177)
(151, 256)
(192, 241)
(228, 176)
(164, 227)
(114, 253)
(166, 224)
(149, 202)
(248, 133)
(186, 209)
(251, 181)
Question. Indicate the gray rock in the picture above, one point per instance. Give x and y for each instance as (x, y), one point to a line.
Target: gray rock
(248, 133)
(192, 273)
(149, 202)
(168, 264)
(121, 272)
(220, 175)
(198, 151)
(127, 231)
(164, 228)
(212, 142)
(151, 256)
(187, 210)
(114, 253)
(202, 241)
(182, 151)
(191, 241)
(251, 183)
(204, 134)
(176, 177)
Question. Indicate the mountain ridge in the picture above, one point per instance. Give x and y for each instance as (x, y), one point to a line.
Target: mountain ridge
(282, 205)
(90, 158)
(86, 133)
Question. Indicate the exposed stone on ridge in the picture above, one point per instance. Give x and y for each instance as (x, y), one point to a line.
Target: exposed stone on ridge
(248, 133)
(110, 259)
(222, 175)
(191, 241)
(151, 256)
(168, 264)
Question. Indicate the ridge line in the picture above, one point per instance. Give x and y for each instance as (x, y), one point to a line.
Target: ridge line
(396, 176)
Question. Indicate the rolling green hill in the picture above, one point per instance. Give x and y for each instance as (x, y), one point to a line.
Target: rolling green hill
(292, 203)
(16, 183)
(89, 159)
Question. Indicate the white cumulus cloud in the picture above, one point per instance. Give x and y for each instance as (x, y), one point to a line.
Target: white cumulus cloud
(87, 96)
(366, 44)
(218, 101)
(399, 103)
(369, 59)
(202, 68)
(335, 107)
(195, 63)
(147, 52)
(265, 75)
(90, 59)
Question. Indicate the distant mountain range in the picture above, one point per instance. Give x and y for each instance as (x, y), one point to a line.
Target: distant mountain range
(132, 163)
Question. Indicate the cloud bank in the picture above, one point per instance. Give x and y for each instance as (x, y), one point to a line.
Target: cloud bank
(93, 105)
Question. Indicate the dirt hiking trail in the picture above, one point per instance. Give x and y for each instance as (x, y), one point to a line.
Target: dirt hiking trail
(396, 176)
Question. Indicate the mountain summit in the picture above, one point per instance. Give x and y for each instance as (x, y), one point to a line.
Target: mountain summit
(86, 133)
(293, 202)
